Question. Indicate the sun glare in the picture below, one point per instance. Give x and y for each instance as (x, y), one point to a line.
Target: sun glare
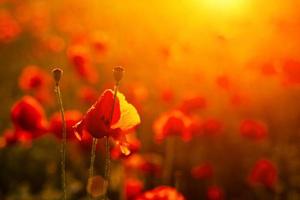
(228, 6)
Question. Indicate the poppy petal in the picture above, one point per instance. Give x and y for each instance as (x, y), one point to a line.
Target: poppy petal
(78, 129)
(129, 115)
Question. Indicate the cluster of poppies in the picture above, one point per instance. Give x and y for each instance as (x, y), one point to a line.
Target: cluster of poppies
(30, 122)
(192, 120)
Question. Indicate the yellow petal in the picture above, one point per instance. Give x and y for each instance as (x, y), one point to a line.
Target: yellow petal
(129, 115)
(124, 149)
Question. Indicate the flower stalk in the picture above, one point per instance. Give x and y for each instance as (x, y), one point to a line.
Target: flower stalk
(92, 162)
(118, 75)
(57, 73)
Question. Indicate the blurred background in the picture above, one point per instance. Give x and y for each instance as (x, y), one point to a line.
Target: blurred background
(216, 84)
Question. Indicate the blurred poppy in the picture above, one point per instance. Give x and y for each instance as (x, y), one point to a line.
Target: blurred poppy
(99, 122)
(8, 138)
(172, 124)
(28, 115)
(33, 78)
(193, 104)
(37, 81)
(9, 27)
(212, 127)
(263, 173)
(215, 193)
(87, 95)
(161, 193)
(149, 163)
(291, 72)
(195, 128)
(99, 42)
(253, 129)
(11, 137)
(79, 56)
(167, 95)
(203, 171)
(71, 117)
(133, 188)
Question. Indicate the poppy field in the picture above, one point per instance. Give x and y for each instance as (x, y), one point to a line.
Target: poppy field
(150, 100)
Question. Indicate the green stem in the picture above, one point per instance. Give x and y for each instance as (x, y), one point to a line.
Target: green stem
(63, 143)
(93, 156)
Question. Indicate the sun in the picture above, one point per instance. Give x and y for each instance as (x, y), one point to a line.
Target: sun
(224, 5)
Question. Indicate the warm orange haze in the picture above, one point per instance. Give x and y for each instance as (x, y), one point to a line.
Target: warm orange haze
(150, 100)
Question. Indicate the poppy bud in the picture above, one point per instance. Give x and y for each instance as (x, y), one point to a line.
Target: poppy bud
(57, 73)
(118, 73)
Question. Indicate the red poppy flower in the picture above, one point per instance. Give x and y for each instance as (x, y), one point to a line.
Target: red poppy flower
(215, 193)
(88, 95)
(170, 124)
(133, 188)
(33, 78)
(28, 115)
(8, 138)
(11, 137)
(161, 193)
(212, 127)
(99, 43)
(97, 119)
(149, 163)
(80, 58)
(253, 129)
(195, 127)
(193, 104)
(9, 27)
(203, 171)
(38, 82)
(71, 117)
(167, 95)
(263, 173)
(291, 72)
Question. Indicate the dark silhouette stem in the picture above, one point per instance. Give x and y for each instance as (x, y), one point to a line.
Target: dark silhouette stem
(63, 143)
(92, 162)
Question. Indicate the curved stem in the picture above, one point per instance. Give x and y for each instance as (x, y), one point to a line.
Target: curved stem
(63, 143)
